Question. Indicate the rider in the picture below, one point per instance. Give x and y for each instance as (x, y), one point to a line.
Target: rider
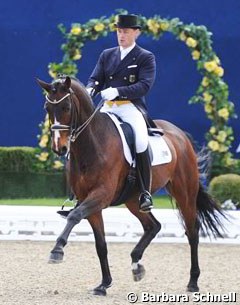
(124, 75)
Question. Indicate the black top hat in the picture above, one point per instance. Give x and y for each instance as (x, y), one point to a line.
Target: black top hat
(128, 21)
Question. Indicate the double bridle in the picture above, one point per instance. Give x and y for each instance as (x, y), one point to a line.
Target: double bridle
(75, 131)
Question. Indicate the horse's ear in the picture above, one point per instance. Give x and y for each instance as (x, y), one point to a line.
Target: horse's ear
(44, 85)
(67, 83)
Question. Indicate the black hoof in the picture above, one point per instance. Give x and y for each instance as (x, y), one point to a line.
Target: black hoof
(56, 257)
(192, 288)
(138, 273)
(100, 290)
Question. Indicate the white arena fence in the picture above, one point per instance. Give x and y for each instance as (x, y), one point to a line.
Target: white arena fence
(43, 223)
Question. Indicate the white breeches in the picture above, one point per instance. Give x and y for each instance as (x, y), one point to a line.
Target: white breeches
(130, 114)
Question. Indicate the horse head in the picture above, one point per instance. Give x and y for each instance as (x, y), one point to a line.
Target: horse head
(69, 106)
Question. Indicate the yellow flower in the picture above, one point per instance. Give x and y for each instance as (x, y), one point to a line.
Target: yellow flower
(44, 141)
(207, 97)
(219, 71)
(153, 25)
(112, 27)
(223, 113)
(76, 30)
(229, 161)
(217, 59)
(208, 108)
(212, 130)
(210, 66)
(47, 122)
(205, 81)
(116, 19)
(77, 55)
(57, 164)
(99, 27)
(52, 74)
(196, 55)
(221, 137)
(223, 148)
(182, 36)
(164, 26)
(213, 145)
(191, 42)
(43, 156)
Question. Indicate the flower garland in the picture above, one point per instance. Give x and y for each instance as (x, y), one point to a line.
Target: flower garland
(48, 160)
(212, 91)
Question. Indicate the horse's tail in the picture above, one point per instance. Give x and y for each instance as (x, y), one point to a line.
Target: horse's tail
(210, 214)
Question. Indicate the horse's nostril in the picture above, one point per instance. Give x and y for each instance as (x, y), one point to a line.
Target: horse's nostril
(63, 150)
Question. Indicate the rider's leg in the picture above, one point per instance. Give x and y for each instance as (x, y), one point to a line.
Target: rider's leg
(130, 114)
(144, 174)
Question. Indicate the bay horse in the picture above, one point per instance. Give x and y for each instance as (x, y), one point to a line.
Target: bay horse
(98, 171)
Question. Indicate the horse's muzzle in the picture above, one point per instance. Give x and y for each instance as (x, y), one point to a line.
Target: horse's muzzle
(61, 151)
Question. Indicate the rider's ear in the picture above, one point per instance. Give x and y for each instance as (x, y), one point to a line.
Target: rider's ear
(44, 85)
(67, 83)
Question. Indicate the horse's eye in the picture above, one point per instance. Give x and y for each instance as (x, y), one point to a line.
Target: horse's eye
(66, 108)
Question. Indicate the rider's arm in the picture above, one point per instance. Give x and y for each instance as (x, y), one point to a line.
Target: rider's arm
(97, 76)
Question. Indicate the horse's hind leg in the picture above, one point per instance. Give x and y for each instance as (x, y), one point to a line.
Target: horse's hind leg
(151, 227)
(186, 202)
(96, 222)
(193, 239)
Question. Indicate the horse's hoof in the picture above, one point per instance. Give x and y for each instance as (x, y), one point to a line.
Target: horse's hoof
(138, 273)
(100, 290)
(56, 258)
(192, 288)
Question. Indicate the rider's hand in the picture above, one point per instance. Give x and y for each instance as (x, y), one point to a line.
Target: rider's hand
(109, 94)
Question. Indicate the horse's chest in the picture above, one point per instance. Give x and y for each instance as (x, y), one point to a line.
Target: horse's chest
(81, 186)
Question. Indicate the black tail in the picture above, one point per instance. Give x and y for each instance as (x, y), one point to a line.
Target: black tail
(209, 214)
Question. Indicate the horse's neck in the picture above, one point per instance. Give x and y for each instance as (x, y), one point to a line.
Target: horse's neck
(87, 150)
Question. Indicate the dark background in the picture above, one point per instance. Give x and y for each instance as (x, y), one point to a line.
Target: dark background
(29, 40)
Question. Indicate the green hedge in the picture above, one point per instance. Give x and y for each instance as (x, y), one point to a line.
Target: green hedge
(18, 159)
(32, 185)
(225, 187)
(22, 177)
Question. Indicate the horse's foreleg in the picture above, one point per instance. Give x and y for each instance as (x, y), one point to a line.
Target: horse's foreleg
(96, 222)
(82, 211)
(56, 255)
(151, 227)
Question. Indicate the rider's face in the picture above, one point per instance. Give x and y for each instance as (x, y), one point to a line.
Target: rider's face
(126, 37)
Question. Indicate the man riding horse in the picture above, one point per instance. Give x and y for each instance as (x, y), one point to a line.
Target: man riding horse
(124, 75)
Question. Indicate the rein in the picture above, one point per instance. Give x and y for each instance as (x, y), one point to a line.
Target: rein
(75, 132)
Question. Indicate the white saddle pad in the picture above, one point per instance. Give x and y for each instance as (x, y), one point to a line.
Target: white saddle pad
(160, 150)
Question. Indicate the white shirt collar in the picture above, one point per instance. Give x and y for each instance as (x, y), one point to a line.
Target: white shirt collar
(124, 52)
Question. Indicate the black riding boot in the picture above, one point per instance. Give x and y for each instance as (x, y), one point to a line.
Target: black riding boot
(144, 175)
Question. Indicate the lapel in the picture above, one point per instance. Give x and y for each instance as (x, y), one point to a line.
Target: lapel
(129, 59)
(115, 60)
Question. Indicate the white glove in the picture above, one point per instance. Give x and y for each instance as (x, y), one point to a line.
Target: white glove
(109, 94)
(89, 90)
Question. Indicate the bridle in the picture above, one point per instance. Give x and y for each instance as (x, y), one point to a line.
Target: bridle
(75, 131)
